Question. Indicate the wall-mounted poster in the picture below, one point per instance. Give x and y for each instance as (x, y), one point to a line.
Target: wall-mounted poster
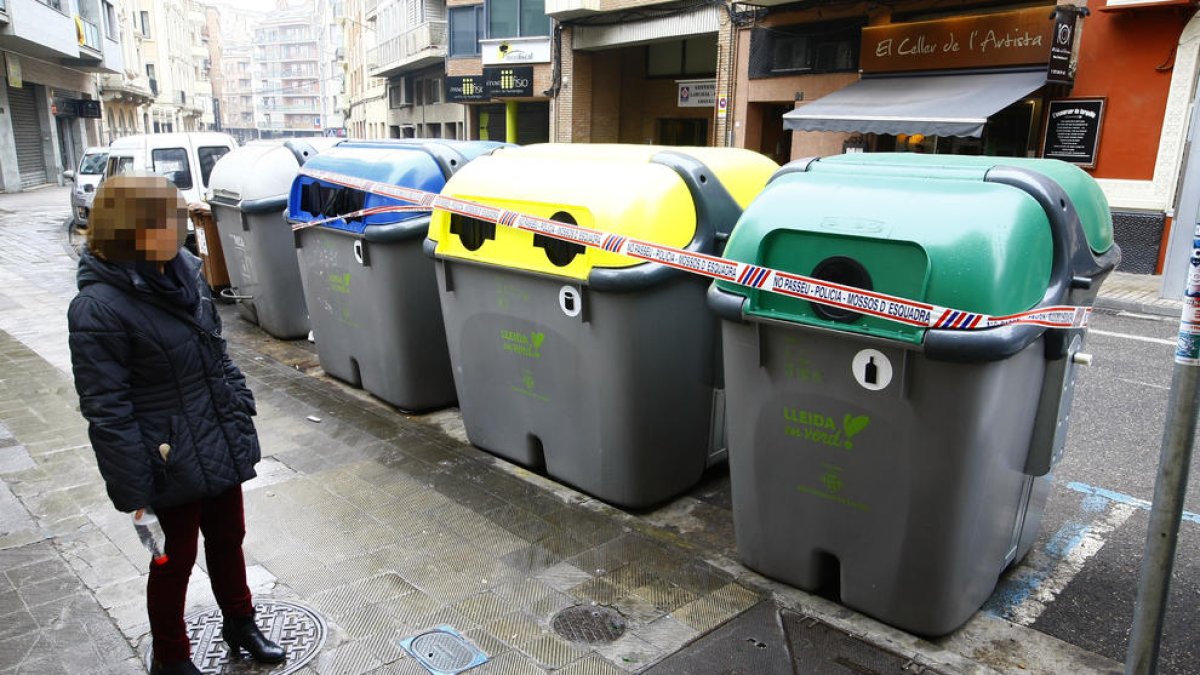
(1073, 130)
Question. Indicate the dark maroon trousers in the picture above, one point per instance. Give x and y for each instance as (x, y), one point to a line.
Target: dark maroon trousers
(222, 520)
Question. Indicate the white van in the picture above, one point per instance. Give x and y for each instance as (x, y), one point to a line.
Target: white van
(186, 159)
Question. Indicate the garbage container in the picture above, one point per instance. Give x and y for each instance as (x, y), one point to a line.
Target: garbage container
(599, 368)
(371, 291)
(208, 242)
(249, 195)
(898, 467)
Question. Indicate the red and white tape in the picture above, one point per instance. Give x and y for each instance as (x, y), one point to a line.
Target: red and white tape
(871, 303)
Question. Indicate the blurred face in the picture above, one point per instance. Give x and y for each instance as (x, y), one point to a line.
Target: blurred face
(138, 218)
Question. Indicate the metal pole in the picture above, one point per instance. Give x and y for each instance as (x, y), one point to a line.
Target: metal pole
(1171, 485)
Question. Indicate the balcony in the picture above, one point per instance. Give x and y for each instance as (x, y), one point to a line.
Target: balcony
(370, 9)
(120, 88)
(423, 45)
(301, 108)
(91, 35)
(572, 9)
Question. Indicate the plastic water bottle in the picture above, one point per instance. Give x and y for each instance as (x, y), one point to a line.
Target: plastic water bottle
(150, 533)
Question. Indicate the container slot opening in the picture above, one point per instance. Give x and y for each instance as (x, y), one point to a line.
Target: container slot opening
(559, 253)
(829, 575)
(472, 231)
(355, 373)
(537, 453)
(844, 271)
(327, 201)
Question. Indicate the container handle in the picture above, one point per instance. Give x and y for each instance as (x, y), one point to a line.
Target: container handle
(232, 295)
(301, 150)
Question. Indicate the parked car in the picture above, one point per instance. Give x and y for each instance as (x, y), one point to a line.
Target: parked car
(186, 159)
(85, 178)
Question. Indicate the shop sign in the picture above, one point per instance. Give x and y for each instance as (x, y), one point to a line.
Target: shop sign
(507, 82)
(1073, 130)
(12, 64)
(1020, 37)
(515, 51)
(88, 108)
(696, 93)
(1063, 46)
(465, 88)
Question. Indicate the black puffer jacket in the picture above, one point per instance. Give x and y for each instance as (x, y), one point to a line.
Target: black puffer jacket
(154, 378)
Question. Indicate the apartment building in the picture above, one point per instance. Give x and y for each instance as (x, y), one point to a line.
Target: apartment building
(51, 101)
(237, 93)
(328, 21)
(411, 55)
(366, 104)
(287, 83)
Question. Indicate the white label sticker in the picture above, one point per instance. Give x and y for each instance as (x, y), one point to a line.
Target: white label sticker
(570, 301)
(201, 241)
(872, 369)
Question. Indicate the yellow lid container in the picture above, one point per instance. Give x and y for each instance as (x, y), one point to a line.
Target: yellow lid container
(687, 197)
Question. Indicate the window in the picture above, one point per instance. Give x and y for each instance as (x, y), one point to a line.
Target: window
(517, 18)
(93, 163)
(694, 56)
(466, 30)
(398, 95)
(172, 163)
(110, 20)
(433, 90)
(145, 23)
(208, 159)
(118, 166)
(806, 48)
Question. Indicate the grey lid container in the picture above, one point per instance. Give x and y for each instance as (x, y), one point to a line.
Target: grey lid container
(249, 193)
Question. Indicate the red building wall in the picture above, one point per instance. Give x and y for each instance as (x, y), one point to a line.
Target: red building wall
(1127, 56)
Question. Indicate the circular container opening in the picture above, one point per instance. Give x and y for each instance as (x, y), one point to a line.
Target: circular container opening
(560, 253)
(844, 271)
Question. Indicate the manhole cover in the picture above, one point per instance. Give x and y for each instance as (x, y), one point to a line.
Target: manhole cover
(296, 628)
(443, 651)
(590, 624)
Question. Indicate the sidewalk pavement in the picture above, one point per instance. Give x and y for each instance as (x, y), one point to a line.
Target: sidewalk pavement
(1138, 293)
(385, 524)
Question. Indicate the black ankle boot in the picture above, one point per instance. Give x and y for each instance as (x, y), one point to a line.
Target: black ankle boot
(242, 633)
(184, 667)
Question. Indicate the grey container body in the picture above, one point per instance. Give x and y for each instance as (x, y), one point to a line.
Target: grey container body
(261, 259)
(909, 501)
(376, 317)
(617, 401)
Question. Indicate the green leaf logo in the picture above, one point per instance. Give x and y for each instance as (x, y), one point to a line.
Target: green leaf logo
(853, 425)
(536, 339)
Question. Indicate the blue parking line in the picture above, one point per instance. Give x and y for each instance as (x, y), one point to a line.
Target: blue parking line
(1122, 498)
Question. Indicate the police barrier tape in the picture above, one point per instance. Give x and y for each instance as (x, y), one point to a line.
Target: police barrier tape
(871, 303)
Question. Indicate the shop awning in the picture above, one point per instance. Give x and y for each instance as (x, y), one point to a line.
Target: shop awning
(933, 105)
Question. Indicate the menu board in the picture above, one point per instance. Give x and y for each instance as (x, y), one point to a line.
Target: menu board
(1073, 130)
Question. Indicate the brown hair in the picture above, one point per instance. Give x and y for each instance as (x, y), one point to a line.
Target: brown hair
(126, 204)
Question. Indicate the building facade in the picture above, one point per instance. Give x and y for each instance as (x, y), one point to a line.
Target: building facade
(328, 22)
(366, 96)
(411, 57)
(52, 49)
(237, 93)
(287, 74)
(126, 95)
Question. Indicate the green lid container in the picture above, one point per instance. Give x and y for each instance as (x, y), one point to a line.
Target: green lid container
(1085, 194)
(935, 233)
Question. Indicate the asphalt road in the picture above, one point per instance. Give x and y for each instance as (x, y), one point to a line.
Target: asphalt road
(1080, 581)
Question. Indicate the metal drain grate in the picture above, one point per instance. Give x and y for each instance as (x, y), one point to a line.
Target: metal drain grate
(589, 624)
(443, 651)
(299, 630)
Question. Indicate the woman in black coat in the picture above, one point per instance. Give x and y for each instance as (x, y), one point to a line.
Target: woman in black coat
(168, 412)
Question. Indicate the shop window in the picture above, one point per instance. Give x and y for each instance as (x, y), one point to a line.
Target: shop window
(517, 18)
(679, 58)
(466, 30)
(806, 48)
